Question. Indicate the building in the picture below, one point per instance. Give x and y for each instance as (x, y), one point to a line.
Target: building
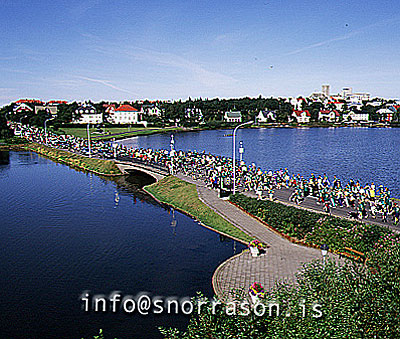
(51, 109)
(297, 103)
(22, 108)
(194, 114)
(301, 116)
(124, 114)
(386, 114)
(326, 90)
(356, 117)
(346, 92)
(266, 116)
(87, 114)
(328, 115)
(335, 104)
(151, 110)
(235, 116)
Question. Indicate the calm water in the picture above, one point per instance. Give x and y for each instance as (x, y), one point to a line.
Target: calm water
(349, 153)
(64, 232)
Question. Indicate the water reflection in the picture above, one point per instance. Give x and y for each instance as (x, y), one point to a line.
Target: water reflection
(96, 247)
(173, 222)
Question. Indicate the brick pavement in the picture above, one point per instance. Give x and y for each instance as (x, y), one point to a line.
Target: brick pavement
(280, 262)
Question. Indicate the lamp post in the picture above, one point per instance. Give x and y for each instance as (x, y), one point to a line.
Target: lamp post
(115, 145)
(324, 251)
(234, 152)
(20, 119)
(172, 153)
(88, 136)
(45, 128)
(241, 151)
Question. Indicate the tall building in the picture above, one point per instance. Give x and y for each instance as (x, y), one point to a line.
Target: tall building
(325, 90)
(347, 92)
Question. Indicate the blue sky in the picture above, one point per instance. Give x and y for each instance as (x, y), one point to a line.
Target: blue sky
(127, 49)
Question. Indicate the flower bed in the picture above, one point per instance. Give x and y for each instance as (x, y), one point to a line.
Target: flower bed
(313, 228)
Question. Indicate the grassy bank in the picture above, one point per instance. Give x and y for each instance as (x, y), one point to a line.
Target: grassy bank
(98, 166)
(183, 196)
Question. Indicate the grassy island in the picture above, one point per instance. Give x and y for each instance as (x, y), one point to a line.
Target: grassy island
(183, 196)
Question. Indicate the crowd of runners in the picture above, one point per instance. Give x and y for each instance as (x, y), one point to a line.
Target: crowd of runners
(216, 172)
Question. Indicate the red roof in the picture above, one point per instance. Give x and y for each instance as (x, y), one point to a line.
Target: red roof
(298, 113)
(126, 108)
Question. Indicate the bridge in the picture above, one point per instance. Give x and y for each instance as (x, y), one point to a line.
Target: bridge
(126, 164)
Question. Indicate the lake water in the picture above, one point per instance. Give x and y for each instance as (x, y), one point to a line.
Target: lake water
(64, 232)
(365, 154)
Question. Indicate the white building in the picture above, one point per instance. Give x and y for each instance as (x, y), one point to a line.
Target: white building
(356, 117)
(328, 115)
(301, 116)
(124, 114)
(194, 114)
(151, 110)
(87, 114)
(297, 103)
(266, 116)
(22, 108)
(233, 116)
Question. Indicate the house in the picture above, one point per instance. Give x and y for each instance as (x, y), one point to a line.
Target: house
(266, 116)
(297, 103)
(51, 109)
(301, 116)
(22, 108)
(328, 115)
(386, 114)
(194, 114)
(124, 114)
(87, 114)
(356, 117)
(235, 116)
(151, 110)
(338, 105)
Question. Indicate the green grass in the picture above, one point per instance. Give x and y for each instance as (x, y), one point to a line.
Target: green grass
(182, 195)
(81, 132)
(105, 167)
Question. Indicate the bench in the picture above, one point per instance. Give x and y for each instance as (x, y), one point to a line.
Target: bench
(353, 254)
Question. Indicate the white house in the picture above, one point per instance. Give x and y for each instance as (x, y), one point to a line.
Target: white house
(356, 117)
(301, 116)
(151, 110)
(194, 114)
(338, 104)
(233, 116)
(298, 102)
(22, 108)
(328, 115)
(266, 116)
(88, 115)
(386, 114)
(124, 114)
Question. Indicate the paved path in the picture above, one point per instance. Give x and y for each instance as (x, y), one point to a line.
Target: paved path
(281, 261)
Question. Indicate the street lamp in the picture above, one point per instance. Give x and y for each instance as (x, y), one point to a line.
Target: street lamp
(88, 136)
(234, 152)
(172, 153)
(241, 151)
(324, 251)
(115, 145)
(20, 119)
(45, 127)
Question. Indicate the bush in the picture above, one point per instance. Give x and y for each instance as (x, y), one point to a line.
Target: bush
(314, 228)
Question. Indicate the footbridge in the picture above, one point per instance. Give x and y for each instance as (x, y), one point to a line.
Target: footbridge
(126, 165)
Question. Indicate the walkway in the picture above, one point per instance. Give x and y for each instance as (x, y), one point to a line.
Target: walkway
(281, 261)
